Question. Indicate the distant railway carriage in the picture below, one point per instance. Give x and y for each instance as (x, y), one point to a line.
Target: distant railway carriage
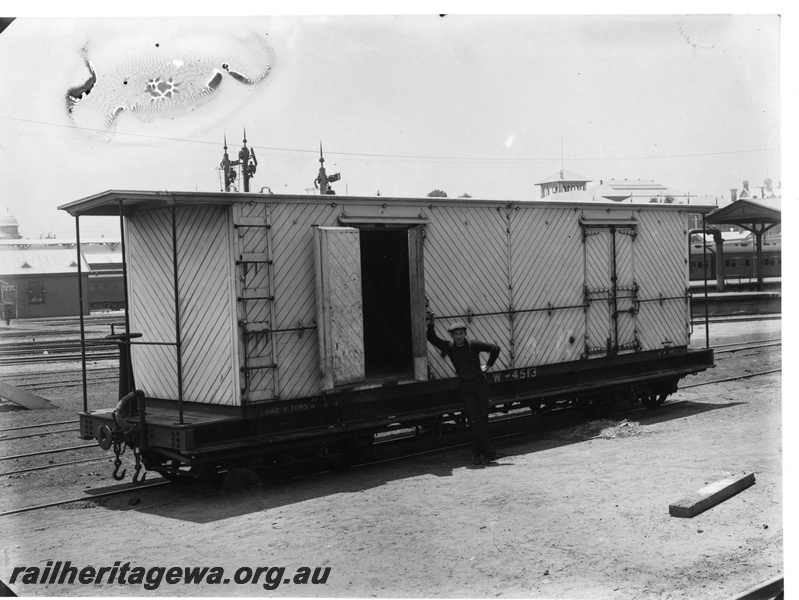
(272, 325)
(740, 261)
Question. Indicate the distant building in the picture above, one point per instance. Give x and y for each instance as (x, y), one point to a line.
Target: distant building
(768, 199)
(562, 181)
(638, 190)
(766, 191)
(573, 189)
(37, 276)
(41, 282)
(9, 228)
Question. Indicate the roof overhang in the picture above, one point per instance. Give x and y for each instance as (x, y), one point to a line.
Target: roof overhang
(113, 202)
(744, 212)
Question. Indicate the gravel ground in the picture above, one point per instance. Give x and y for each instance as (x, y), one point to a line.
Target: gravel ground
(580, 512)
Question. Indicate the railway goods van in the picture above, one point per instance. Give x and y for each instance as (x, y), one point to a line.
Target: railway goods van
(265, 327)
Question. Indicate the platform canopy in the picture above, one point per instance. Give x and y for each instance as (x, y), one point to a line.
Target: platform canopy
(746, 212)
(757, 217)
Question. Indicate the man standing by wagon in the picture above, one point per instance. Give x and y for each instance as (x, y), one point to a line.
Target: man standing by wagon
(472, 382)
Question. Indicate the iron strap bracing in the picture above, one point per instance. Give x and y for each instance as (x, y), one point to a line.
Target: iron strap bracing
(176, 290)
(629, 288)
(285, 330)
(664, 298)
(247, 298)
(290, 329)
(550, 308)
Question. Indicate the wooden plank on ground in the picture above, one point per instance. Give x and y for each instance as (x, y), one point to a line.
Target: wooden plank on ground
(710, 495)
(23, 398)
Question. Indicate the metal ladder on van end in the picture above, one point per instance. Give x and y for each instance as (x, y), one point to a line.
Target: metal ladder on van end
(255, 301)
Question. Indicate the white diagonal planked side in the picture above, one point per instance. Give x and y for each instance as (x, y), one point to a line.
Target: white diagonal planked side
(466, 260)
(547, 258)
(597, 261)
(662, 272)
(662, 254)
(549, 338)
(151, 301)
(662, 326)
(260, 382)
(295, 354)
(295, 295)
(548, 271)
(625, 279)
(597, 255)
(253, 283)
(207, 318)
(255, 276)
(466, 269)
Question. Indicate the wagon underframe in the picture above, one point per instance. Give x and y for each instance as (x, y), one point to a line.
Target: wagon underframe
(349, 419)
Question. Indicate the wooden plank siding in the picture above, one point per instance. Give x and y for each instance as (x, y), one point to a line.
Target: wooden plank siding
(663, 238)
(466, 271)
(467, 254)
(516, 273)
(416, 237)
(598, 322)
(253, 287)
(295, 295)
(207, 321)
(339, 302)
(625, 246)
(547, 272)
(151, 302)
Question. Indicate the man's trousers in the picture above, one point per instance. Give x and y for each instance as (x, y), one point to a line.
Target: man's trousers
(474, 395)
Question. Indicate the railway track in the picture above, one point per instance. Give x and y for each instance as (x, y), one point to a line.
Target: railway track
(511, 421)
(71, 357)
(750, 345)
(64, 383)
(19, 353)
(43, 380)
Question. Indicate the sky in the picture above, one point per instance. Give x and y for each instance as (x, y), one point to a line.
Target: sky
(480, 104)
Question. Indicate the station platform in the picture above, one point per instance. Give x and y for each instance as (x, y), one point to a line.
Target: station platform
(734, 302)
(737, 285)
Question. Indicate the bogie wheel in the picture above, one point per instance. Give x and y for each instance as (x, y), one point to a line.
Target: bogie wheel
(595, 406)
(654, 400)
(239, 479)
(341, 455)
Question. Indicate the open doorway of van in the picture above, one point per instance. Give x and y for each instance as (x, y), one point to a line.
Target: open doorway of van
(385, 278)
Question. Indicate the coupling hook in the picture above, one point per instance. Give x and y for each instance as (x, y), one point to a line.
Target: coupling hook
(116, 474)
